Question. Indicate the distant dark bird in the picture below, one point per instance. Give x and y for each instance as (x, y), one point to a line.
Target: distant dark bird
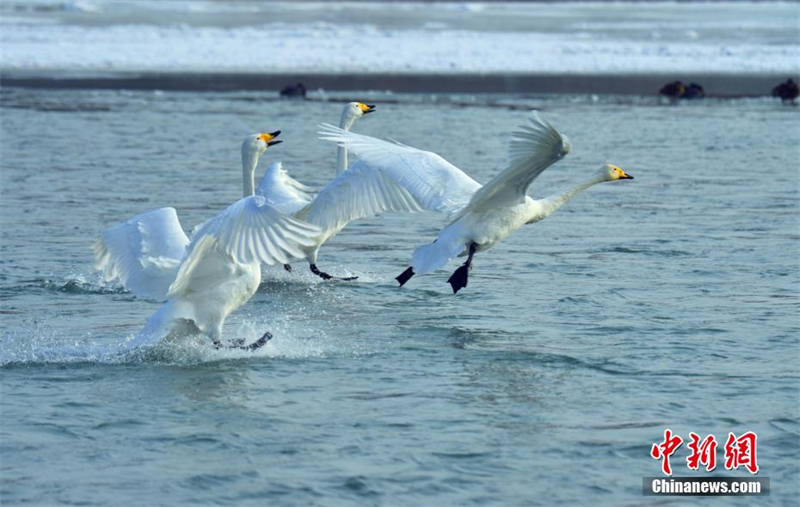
(296, 90)
(675, 89)
(693, 91)
(787, 91)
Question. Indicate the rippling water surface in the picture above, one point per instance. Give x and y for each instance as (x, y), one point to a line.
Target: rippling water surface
(667, 301)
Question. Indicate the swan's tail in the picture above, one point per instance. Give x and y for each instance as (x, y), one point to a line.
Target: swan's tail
(433, 256)
(157, 328)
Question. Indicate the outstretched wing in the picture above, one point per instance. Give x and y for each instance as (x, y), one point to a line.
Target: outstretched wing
(533, 148)
(143, 253)
(282, 191)
(434, 182)
(252, 230)
(359, 192)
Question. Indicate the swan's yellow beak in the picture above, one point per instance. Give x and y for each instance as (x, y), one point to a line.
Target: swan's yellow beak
(268, 138)
(621, 175)
(366, 108)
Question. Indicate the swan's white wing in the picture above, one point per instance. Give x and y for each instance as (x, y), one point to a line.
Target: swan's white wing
(206, 264)
(282, 191)
(359, 192)
(252, 230)
(434, 182)
(143, 253)
(533, 148)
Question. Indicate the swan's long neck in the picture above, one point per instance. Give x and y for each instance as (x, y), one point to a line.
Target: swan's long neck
(345, 123)
(249, 164)
(555, 201)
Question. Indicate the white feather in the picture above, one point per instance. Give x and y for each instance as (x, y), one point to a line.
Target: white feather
(434, 182)
(282, 191)
(251, 230)
(358, 192)
(531, 150)
(143, 253)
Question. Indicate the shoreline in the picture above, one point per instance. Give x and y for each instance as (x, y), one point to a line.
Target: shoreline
(716, 85)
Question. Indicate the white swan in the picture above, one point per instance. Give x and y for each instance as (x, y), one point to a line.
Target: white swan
(207, 278)
(358, 191)
(482, 215)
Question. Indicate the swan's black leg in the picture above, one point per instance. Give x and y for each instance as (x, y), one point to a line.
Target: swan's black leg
(405, 276)
(326, 276)
(458, 280)
(321, 274)
(287, 267)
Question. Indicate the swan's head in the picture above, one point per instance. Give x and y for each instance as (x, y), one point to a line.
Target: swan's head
(613, 173)
(258, 143)
(357, 109)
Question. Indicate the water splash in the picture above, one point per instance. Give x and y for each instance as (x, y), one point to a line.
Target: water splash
(75, 283)
(38, 343)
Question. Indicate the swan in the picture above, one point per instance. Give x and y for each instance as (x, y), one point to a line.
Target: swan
(481, 215)
(357, 191)
(205, 279)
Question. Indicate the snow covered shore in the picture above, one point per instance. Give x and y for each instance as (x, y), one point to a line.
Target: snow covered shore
(249, 37)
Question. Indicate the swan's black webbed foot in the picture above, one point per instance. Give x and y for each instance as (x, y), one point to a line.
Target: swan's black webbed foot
(239, 344)
(326, 276)
(287, 267)
(405, 276)
(259, 343)
(458, 280)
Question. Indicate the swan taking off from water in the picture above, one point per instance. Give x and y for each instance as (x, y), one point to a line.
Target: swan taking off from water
(358, 191)
(482, 215)
(208, 277)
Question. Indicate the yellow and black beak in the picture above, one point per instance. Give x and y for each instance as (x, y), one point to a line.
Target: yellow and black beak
(268, 138)
(625, 176)
(367, 108)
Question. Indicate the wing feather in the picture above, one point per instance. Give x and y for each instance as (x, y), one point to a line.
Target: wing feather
(143, 253)
(533, 148)
(359, 192)
(252, 230)
(282, 191)
(434, 182)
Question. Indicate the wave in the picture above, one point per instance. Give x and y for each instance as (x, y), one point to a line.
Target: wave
(78, 284)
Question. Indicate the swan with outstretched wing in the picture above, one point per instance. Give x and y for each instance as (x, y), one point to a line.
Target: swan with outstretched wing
(358, 191)
(481, 215)
(208, 277)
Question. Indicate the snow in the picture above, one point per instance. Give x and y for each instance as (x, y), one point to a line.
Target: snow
(71, 39)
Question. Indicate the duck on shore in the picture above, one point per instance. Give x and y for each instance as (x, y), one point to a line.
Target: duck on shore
(297, 90)
(787, 91)
(675, 89)
(678, 90)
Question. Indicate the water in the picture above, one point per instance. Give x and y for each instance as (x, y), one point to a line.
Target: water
(667, 301)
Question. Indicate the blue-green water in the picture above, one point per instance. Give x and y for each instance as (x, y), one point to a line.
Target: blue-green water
(667, 301)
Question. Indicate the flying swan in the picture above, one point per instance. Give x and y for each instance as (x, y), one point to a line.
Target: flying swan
(482, 215)
(358, 191)
(205, 279)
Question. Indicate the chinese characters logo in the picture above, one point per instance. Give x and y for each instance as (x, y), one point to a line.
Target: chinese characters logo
(739, 451)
